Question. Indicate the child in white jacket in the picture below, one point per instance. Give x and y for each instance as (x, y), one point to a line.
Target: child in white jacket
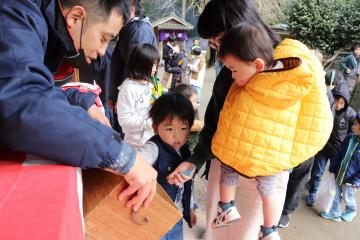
(135, 95)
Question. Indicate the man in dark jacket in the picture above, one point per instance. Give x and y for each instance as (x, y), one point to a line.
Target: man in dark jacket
(137, 31)
(38, 118)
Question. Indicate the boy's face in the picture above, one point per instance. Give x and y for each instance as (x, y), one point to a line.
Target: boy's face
(173, 131)
(356, 128)
(339, 103)
(241, 71)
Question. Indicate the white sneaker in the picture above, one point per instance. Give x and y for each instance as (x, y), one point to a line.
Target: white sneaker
(224, 218)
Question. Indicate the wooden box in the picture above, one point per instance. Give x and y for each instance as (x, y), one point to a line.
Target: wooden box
(108, 218)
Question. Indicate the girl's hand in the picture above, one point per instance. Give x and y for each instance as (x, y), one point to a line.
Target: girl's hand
(184, 172)
(96, 114)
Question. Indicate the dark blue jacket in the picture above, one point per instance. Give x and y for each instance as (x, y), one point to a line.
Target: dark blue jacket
(343, 120)
(35, 116)
(168, 159)
(353, 172)
(137, 31)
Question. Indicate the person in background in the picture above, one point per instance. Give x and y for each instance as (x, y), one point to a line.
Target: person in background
(350, 62)
(38, 118)
(171, 61)
(344, 117)
(172, 115)
(188, 91)
(135, 95)
(197, 72)
(137, 31)
(346, 167)
(300, 174)
(354, 82)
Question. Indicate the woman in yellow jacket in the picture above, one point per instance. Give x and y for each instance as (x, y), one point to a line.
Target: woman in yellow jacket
(275, 116)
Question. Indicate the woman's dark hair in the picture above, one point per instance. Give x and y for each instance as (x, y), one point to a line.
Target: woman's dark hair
(196, 51)
(101, 9)
(255, 43)
(170, 105)
(185, 89)
(222, 15)
(141, 61)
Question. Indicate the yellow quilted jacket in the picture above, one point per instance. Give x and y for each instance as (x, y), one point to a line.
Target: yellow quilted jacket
(279, 119)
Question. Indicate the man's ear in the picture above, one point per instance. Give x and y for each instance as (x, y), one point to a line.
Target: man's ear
(260, 64)
(155, 128)
(75, 16)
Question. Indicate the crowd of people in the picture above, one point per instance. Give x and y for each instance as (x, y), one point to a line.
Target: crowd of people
(274, 117)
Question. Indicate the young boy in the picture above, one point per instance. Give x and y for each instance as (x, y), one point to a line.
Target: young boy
(275, 116)
(172, 115)
(344, 117)
(346, 167)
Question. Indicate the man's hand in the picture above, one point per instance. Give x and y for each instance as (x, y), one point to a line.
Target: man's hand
(142, 181)
(177, 178)
(96, 114)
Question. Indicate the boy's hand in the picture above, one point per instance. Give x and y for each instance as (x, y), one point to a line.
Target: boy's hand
(142, 182)
(96, 114)
(184, 172)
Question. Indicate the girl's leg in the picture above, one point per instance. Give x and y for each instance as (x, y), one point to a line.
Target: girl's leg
(335, 211)
(272, 190)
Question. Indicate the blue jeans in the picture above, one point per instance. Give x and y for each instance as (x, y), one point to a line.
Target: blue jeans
(348, 195)
(317, 171)
(176, 233)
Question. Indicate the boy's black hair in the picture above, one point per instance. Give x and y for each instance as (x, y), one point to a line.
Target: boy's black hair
(185, 89)
(170, 105)
(101, 8)
(221, 15)
(357, 117)
(141, 61)
(247, 42)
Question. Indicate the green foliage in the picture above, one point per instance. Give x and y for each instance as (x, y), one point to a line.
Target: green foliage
(325, 24)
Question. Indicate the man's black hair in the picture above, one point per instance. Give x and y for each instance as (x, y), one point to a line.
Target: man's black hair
(255, 43)
(138, 9)
(101, 8)
(141, 61)
(354, 47)
(185, 89)
(170, 105)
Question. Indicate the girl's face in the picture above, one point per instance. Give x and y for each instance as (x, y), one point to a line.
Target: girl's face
(242, 71)
(356, 128)
(153, 69)
(173, 131)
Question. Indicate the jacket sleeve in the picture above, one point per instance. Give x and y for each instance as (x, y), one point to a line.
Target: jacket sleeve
(343, 62)
(77, 98)
(202, 151)
(35, 116)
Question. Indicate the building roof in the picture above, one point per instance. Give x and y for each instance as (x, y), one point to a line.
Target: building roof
(172, 23)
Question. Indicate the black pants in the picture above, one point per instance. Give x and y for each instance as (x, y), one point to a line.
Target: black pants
(295, 188)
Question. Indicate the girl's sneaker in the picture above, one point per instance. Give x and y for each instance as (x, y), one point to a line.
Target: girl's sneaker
(330, 216)
(270, 233)
(225, 217)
